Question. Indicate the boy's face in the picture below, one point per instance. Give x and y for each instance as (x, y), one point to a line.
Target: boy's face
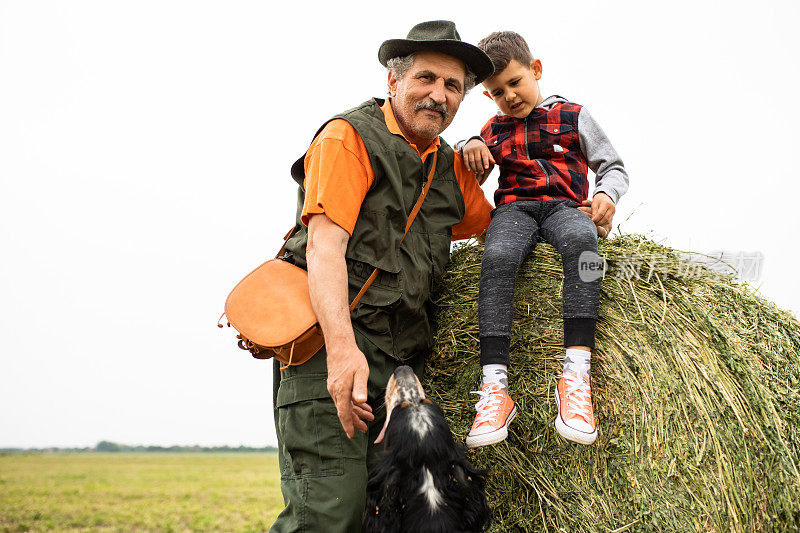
(515, 89)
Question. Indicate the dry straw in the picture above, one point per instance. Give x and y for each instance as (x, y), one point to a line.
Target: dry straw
(696, 387)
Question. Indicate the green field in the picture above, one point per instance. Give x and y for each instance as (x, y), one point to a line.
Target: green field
(139, 492)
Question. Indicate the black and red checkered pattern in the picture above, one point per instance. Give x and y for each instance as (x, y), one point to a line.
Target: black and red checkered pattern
(539, 156)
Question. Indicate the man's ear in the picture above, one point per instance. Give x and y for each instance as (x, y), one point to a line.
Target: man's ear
(489, 96)
(392, 83)
(536, 67)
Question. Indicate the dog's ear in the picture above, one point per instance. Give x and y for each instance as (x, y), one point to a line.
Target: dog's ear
(382, 513)
(476, 514)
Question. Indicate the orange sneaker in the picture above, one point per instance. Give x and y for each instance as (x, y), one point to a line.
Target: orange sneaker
(495, 412)
(575, 420)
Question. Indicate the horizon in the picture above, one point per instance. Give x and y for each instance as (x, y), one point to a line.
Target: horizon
(123, 445)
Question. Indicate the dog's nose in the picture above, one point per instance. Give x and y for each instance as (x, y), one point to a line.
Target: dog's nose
(408, 385)
(403, 372)
(406, 379)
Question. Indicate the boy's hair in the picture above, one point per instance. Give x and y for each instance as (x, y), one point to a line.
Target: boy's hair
(503, 46)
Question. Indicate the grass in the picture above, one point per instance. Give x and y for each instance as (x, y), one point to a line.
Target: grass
(142, 492)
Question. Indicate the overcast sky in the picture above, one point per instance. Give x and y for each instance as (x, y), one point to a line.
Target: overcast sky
(144, 169)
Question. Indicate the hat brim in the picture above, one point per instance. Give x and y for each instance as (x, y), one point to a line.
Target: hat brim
(472, 56)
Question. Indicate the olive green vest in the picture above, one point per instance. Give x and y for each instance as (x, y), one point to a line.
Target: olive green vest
(394, 313)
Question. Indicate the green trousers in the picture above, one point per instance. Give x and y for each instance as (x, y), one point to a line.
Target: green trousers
(323, 473)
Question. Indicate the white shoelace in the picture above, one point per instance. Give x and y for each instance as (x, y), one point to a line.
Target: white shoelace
(488, 406)
(578, 394)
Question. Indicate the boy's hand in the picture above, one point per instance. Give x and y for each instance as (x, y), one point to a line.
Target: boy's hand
(601, 210)
(478, 159)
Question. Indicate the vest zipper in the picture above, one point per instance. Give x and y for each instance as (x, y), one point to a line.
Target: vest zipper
(546, 174)
(527, 152)
(538, 162)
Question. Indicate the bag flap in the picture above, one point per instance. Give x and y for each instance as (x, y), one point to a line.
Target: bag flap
(271, 306)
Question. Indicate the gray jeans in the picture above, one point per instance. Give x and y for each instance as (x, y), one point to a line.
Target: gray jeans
(515, 229)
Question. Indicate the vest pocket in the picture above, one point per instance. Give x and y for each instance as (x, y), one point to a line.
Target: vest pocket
(372, 313)
(495, 145)
(374, 240)
(555, 129)
(556, 138)
(384, 291)
(494, 141)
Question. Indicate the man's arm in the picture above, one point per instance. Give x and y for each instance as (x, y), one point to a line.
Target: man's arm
(476, 209)
(348, 370)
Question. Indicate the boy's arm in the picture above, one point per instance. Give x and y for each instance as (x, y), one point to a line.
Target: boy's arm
(459, 146)
(476, 154)
(610, 175)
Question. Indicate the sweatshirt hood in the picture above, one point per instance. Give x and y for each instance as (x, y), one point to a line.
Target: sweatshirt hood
(550, 101)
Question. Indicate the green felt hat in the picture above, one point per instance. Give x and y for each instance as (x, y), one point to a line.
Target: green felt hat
(438, 36)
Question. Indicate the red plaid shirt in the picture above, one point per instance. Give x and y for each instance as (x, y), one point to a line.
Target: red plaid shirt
(539, 156)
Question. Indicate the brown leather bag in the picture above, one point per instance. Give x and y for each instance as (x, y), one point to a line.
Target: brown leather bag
(271, 307)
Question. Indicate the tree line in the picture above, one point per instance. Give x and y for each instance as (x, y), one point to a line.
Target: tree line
(105, 446)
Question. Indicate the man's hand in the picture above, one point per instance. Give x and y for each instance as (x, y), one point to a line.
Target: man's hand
(601, 210)
(348, 370)
(347, 384)
(478, 159)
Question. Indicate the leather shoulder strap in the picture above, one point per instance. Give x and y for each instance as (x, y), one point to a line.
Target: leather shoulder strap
(286, 238)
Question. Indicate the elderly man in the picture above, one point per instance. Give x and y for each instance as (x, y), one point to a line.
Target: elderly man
(358, 182)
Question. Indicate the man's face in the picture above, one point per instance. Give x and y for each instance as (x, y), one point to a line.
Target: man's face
(426, 99)
(515, 89)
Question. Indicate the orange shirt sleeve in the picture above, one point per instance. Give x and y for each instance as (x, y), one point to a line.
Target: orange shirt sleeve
(476, 216)
(338, 175)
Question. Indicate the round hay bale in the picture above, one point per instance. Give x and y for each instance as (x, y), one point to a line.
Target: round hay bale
(696, 388)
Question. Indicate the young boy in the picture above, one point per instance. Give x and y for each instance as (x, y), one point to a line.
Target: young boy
(544, 148)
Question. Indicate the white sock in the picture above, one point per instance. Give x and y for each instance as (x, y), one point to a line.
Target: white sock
(577, 360)
(496, 374)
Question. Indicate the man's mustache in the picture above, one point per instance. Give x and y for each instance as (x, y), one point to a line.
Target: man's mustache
(430, 104)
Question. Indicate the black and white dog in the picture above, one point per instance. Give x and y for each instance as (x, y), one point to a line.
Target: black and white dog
(422, 481)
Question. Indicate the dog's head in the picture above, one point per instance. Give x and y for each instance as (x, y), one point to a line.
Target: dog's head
(422, 480)
(405, 396)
